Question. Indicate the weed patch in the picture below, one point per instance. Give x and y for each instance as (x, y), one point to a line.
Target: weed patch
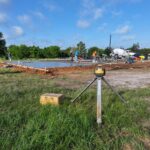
(25, 124)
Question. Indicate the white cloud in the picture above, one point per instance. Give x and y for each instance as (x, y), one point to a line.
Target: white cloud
(116, 13)
(17, 31)
(3, 17)
(91, 9)
(4, 1)
(83, 24)
(123, 30)
(88, 4)
(25, 19)
(98, 13)
(39, 14)
(51, 6)
(120, 1)
(128, 38)
(5, 36)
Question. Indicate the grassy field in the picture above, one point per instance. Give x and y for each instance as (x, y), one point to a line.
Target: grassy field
(25, 124)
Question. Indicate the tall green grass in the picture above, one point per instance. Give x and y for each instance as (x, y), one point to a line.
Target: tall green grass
(25, 124)
(2, 60)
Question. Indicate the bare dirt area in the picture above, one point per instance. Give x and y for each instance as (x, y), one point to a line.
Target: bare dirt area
(63, 70)
(123, 78)
(129, 78)
(119, 75)
(1, 65)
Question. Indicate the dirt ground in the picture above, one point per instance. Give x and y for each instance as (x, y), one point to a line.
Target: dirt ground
(129, 78)
(119, 75)
(123, 78)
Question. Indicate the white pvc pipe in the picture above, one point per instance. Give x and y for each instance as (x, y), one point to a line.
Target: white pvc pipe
(99, 101)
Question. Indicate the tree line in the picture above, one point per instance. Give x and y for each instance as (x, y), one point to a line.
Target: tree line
(24, 51)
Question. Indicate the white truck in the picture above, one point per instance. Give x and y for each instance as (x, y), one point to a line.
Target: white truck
(121, 53)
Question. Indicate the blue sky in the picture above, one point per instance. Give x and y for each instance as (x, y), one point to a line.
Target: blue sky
(66, 22)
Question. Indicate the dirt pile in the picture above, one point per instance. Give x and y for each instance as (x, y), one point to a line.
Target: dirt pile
(59, 71)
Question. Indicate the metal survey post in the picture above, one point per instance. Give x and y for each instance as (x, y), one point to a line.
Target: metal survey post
(99, 73)
(99, 100)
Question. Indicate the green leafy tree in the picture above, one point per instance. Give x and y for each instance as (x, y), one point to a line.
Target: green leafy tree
(108, 51)
(3, 49)
(40, 53)
(93, 49)
(135, 47)
(35, 52)
(82, 48)
(146, 52)
(14, 49)
(68, 50)
(19, 52)
(55, 51)
(65, 53)
(52, 52)
(24, 51)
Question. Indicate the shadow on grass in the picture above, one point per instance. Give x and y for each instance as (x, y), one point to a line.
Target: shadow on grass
(66, 100)
(7, 72)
